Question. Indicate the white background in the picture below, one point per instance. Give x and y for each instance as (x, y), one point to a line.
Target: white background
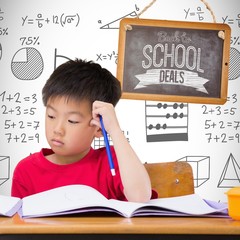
(92, 33)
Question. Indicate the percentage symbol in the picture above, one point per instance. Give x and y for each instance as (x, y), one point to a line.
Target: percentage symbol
(237, 41)
(36, 40)
(3, 31)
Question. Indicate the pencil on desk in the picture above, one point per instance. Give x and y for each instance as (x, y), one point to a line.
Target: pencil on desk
(109, 154)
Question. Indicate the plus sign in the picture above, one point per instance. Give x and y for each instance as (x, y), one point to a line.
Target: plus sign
(11, 111)
(9, 98)
(213, 124)
(13, 125)
(211, 111)
(16, 138)
(217, 138)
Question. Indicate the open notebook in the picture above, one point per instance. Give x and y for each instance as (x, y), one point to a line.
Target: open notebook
(83, 199)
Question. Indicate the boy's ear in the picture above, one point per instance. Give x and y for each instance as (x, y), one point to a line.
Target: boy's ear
(98, 133)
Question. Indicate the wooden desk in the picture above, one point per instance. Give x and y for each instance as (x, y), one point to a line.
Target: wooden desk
(114, 228)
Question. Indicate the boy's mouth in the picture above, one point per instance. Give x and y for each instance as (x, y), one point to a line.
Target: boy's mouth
(57, 142)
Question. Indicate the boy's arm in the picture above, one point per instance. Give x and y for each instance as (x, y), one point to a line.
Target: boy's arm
(135, 179)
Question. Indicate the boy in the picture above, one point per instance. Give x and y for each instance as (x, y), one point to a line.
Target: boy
(75, 95)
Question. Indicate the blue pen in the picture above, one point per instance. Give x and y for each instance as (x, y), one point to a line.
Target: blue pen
(110, 160)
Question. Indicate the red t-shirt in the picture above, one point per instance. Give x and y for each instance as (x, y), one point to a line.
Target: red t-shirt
(35, 174)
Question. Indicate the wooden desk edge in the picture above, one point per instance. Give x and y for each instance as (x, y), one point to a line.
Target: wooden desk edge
(119, 225)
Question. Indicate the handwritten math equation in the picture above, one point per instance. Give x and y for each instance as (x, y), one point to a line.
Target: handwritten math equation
(192, 13)
(111, 56)
(1, 14)
(19, 122)
(231, 21)
(235, 39)
(222, 123)
(199, 14)
(62, 20)
(3, 30)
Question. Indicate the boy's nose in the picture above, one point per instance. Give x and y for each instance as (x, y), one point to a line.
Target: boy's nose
(59, 129)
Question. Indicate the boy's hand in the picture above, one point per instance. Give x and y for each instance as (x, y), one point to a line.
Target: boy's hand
(135, 179)
(107, 111)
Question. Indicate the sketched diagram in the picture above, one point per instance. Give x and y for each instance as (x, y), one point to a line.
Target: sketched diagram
(99, 142)
(115, 24)
(27, 64)
(234, 64)
(4, 169)
(61, 57)
(230, 176)
(166, 121)
(201, 168)
(0, 51)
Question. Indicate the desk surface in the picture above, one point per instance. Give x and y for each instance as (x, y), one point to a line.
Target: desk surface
(119, 225)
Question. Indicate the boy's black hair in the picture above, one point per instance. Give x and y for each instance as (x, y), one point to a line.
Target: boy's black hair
(82, 80)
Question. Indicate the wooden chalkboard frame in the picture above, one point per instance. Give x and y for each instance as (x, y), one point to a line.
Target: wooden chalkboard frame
(146, 29)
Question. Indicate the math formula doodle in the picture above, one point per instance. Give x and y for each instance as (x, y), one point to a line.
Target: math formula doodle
(20, 124)
(226, 127)
(37, 36)
(61, 20)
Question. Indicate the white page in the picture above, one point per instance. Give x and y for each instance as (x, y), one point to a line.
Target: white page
(9, 205)
(188, 204)
(62, 199)
(72, 198)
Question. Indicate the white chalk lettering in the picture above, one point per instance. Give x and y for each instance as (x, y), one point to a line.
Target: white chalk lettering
(171, 55)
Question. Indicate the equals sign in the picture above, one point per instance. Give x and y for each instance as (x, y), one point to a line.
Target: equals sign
(225, 111)
(30, 138)
(29, 124)
(30, 21)
(230, 138)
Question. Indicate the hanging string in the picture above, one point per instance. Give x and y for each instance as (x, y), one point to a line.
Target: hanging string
(210, 10)
(203, 1)
(220, 34)
(146, 8)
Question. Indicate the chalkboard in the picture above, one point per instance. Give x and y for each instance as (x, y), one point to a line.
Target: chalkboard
(173, 60)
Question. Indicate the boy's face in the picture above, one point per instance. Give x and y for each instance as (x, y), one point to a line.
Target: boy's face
(68, 129)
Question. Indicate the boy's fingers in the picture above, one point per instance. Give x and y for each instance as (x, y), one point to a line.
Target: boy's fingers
(94, 122)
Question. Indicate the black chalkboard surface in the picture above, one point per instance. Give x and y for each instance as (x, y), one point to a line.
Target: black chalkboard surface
(173, 60)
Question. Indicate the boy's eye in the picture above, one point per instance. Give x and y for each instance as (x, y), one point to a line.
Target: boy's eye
(50, 116)
(73, 122)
